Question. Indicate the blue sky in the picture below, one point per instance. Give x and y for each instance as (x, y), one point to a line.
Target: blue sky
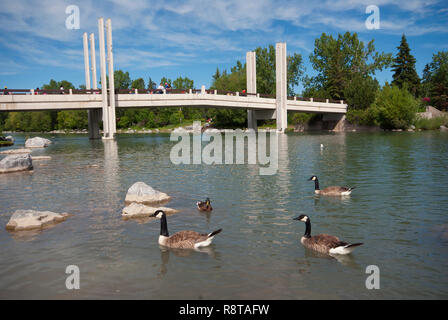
(193, 37)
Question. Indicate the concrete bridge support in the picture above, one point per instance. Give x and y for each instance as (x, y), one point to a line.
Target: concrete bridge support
(251, 85)
(281, 86)
(109, 128)
(94, 115)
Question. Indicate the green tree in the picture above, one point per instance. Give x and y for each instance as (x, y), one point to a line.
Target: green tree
(183, 83)
(360, 91)
(72, 119)
(338, 60)
(138, 84)
(404, 69)
(435, 80)
(122, 80)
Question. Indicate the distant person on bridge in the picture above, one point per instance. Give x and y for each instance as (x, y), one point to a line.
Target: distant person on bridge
(6, 91)
(160, 88)
(61, 89)
(167, 86)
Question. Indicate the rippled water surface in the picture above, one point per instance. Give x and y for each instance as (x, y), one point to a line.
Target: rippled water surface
(399, 210)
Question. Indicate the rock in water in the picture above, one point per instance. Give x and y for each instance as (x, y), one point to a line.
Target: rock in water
(13, 163)
(31, 219)
(10, 138)
(37, 142)
(138, 210)
(16, 151)
(140, 192)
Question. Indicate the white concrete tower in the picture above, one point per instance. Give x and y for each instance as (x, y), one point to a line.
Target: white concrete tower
(281, 86)
(251, 85)
(106, 130)
(110, 60)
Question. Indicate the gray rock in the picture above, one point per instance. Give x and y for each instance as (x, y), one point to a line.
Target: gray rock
(37, 142)
(140, 192)
(443, 128)
(13, 163)
(31, 219)
(138, 210)
(10, 138)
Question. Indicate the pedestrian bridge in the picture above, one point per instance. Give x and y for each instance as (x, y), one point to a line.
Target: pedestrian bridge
(101, 104)
(16, 100)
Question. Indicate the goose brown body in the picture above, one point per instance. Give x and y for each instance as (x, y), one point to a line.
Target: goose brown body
(185, 239)
(322, 242)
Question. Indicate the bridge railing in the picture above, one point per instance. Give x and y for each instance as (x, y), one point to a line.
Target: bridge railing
(158, 91)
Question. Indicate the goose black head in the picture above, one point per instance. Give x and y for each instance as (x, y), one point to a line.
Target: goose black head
(312, 178)
(302, 217)
(158, 214)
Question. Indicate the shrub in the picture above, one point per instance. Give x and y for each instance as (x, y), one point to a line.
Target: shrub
(367, 117)
(396, 107)
(431, 124)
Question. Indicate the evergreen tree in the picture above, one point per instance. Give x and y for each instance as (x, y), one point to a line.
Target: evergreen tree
(404, 69)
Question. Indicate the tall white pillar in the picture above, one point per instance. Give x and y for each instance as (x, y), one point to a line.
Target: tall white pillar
(106, 130)
(93, 59)
(251, 84)
(110, 60)
(281, 86)
(86, 60)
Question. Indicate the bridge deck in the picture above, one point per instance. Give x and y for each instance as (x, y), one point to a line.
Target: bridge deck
(28, 102)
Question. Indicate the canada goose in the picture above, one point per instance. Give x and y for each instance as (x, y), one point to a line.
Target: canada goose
(324, 243)
(330, 191)
(182, 239)
(204, 205)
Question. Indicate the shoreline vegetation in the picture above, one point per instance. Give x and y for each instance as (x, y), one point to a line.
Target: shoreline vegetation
(344, 69)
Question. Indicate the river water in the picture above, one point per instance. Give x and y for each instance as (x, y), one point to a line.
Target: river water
(399, 210)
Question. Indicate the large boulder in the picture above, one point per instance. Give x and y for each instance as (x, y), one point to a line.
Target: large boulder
(140, 192)
(138, 210)
(13, 163)
(37, 142)
(31, 219)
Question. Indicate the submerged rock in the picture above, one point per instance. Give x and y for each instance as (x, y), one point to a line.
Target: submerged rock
(16, 151)
(13, 163)
(138, 210)
(37, 142)
(36, 158)
(31, 219)
(140, 192)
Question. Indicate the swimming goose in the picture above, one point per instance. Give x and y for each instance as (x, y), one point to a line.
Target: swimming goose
(330, 191)
(324, 243)
(182, 239)
(204, 205)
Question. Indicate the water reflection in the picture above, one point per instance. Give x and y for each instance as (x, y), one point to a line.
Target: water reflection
(346, 260)
(165, 253)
